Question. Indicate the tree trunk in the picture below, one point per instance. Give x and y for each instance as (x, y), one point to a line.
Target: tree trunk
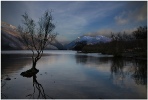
(34, 64)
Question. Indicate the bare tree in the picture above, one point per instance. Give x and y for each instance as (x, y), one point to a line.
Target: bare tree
(37, 36)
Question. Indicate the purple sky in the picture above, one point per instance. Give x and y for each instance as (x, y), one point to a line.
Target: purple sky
(74, 19)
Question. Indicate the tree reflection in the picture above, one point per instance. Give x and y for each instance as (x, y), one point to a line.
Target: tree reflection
(86, 59)
(81, 59)
(117, 73)
(140, 72)
(38, 90)
(117, 66)
(37, 86)
(121, 68)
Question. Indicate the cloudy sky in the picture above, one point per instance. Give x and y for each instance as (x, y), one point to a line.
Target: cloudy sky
(74, 19)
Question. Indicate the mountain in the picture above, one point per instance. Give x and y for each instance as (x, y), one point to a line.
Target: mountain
(11, 39)
(58, 45)
(89, 40)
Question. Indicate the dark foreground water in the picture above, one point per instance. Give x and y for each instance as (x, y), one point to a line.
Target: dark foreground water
(67, 74)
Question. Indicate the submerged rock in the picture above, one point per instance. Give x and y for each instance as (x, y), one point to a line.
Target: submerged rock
(7, 78)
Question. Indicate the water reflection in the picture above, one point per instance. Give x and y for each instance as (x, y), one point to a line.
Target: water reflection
(117, 66)
(120, 68)
(84, 59)
(38, 90)
(75, 76)
(12, 63)
(117, 74)
(3, 87)
(140, 72)
(81, 59)
(13, 60)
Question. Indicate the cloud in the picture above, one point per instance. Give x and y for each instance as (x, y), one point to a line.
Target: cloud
(70, 24)
(62, 39)
(132, 16)
(129, 31)
(141, 14)
(105, 32)
(121, 20)
(74, 18)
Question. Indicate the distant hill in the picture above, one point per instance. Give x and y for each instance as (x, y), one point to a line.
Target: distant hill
(89, 40)
(58, 45)
(11, 40)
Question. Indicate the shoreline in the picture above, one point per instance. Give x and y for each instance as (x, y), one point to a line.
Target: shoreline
(123, 55)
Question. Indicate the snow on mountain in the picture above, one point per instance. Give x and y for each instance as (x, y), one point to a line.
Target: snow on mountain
(89, 40)
(94, 40)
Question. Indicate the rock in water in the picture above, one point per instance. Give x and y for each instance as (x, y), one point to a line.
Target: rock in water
(29, 73)
(7, 78)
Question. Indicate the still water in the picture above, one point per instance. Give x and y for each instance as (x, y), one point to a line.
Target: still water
(72, 75)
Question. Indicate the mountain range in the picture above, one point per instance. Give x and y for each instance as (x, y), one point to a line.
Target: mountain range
(89, 40)
(11, 40)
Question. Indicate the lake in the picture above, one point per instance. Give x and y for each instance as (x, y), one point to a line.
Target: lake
(72, 75)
